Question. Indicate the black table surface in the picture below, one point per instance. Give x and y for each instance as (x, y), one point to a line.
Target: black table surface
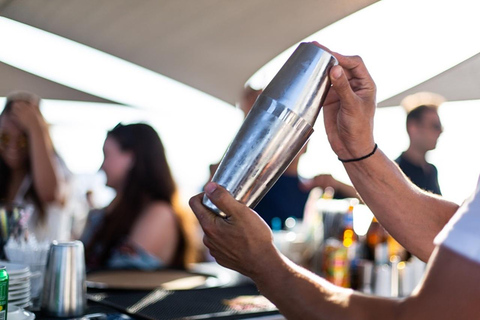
(166, 305)
(160, 304)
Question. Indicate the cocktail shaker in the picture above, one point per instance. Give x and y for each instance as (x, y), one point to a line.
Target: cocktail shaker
(277, 127)
(64, 289)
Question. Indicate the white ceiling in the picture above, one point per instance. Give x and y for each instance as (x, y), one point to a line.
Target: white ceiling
(211, 45)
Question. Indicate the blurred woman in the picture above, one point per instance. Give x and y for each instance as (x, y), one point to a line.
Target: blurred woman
(30, 170)
(144, 226)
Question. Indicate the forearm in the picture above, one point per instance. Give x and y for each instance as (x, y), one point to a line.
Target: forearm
(299, 294)
(412, 216)
(44, 175)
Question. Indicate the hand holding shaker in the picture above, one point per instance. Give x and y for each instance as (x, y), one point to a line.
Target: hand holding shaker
(278, 126)
(64, 290)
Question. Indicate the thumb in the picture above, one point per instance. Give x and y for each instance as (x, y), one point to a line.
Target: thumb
(341, 85)
(222, 199)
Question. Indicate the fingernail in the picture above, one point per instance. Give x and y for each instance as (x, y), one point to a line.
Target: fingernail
(336, 72)
(210, 187)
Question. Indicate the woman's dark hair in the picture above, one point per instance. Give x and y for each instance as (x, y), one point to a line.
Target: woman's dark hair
(5, 177)
(149, 179)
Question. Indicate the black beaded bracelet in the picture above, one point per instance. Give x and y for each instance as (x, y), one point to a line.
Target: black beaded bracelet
(361, 158)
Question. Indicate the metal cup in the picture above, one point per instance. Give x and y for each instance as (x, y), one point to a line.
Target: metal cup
(64, 290)
(278, 126)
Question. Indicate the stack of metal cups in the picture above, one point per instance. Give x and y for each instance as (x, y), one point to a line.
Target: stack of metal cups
(278, 126)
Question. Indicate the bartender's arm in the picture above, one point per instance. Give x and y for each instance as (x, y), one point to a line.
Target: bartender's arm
(412, 216)
(243, 242)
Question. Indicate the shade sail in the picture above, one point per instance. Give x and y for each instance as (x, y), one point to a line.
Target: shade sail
(211, 45)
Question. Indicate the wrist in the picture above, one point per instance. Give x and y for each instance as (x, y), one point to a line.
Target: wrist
(356, 148)
(267, 267)
(280, 277)
(360, 158)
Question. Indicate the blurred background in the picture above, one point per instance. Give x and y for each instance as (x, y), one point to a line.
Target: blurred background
(181, 65)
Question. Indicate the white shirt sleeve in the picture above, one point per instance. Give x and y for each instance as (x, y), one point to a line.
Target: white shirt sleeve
(462, 233)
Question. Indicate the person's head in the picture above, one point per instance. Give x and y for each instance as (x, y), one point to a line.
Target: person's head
(247, 98)
(424, 127)
(13, 138)
(136, 167)
(134, 158)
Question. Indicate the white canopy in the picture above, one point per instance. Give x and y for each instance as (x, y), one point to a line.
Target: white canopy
(211, 45)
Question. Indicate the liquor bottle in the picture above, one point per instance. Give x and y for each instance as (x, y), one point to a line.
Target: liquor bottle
(340, 254)
(376, 242)
(395, 249)
(336, 267)
(350, 241)
(348, 237)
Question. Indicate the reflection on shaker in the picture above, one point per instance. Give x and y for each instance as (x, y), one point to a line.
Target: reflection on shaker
(278, 126)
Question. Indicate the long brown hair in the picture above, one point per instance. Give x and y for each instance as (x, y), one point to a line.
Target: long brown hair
(149, 179)
(5, 177)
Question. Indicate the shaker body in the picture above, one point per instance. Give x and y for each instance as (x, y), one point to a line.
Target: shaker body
(277, 127)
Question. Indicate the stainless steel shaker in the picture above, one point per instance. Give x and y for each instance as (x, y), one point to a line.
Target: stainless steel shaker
(278, 126)
(64, 290)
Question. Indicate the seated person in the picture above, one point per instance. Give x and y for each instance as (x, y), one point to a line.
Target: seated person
(143, 227)
(31, 172)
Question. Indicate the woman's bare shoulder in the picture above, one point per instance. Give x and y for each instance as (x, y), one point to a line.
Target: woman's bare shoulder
(158, 212)
(156, 231)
